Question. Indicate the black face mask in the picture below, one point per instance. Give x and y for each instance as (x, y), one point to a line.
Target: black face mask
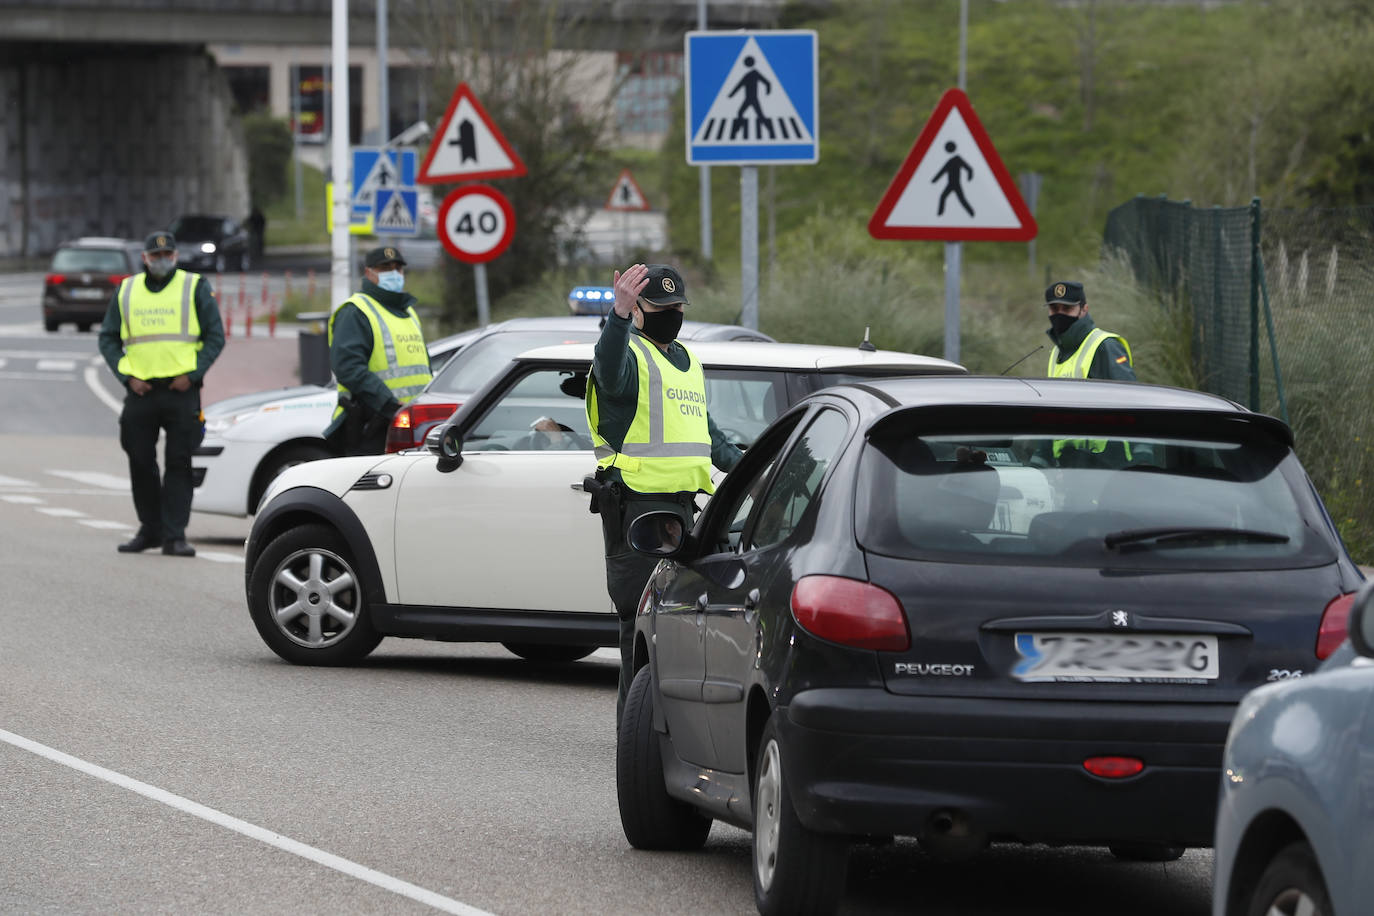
(662, 327)
(1061, 323)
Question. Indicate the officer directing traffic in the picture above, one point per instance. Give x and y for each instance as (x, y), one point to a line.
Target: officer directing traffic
(377, 351)
(655, 443)
(160, 335)
(1081, 349)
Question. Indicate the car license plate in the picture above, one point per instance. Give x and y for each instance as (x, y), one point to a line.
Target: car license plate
(1116, 657)
(88, 292)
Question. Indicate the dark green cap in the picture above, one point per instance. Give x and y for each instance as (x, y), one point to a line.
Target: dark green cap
(160, 241)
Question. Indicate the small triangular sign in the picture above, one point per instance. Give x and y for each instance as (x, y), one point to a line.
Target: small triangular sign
(953, 186)
(468, 145)
(626, 194)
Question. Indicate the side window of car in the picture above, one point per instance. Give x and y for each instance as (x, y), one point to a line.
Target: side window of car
(539, 412)
(728, 526)
(743, 402)
(794, 487)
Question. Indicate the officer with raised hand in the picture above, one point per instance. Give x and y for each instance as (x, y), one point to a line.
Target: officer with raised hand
(161, 333)
(378, 354)
(1081, 349)
(655, 443)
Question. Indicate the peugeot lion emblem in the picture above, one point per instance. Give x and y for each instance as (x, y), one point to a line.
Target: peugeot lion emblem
(1121, 619)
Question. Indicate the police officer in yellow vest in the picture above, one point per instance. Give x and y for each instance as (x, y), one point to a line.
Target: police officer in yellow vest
(1082, 350)
(377, 350)
(161, 333)
(655, 443)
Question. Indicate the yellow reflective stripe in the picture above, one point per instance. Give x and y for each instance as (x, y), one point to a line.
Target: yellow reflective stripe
(156, 338)
(667, 449)
(655, 401)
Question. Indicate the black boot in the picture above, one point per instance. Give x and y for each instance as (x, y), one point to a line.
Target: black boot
(178, 548)
(137, 544)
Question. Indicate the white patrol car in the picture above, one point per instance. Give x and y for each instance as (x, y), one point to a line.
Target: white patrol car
(485, 534)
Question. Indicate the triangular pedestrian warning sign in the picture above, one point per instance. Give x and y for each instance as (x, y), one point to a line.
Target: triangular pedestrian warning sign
(752, 107)
(953, 186)
(626, 194)
(468, 145)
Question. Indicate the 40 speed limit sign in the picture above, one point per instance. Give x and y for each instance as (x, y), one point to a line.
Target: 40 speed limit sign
(476, 223)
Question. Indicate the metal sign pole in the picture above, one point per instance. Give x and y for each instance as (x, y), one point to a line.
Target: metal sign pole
(954, 251)
(749, 245)
(479, 274)
(704, 176)
(340, 279)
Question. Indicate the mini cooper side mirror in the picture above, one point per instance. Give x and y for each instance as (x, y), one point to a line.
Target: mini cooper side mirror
(658, 534)
(446, 443)
(1361, 622)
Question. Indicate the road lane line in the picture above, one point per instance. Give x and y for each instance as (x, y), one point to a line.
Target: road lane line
(95, 479)
(14, 482)
(219, 557)
(37, 377)
(252, 831)
(60, 512)
(56, 365)
(104, 524)
(91, 375)
(22, 500)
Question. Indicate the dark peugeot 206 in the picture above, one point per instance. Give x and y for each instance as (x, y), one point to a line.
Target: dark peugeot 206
(971, 611)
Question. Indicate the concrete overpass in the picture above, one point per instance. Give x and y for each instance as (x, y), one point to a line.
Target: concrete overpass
(117, 119)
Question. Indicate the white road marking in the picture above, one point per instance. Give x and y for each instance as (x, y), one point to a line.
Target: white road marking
(610, 655)
(57, 365)
(105, 525)
(95, 479)
(252, 831)
(92, 376)
(14, 482)
(2, 363)
(219, 557)
(22, 500)
(37, 377)
(60, 512)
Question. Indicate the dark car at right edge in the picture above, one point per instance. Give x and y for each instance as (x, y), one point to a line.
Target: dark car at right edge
(972, 611)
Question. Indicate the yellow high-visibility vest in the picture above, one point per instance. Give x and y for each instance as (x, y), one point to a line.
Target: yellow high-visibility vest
(1078, 367)
(160, 330)
(399, 357)
(668, 446)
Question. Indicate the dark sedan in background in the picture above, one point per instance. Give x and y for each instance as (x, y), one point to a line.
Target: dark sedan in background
(82, 277)
(209, 244)
(972, 610)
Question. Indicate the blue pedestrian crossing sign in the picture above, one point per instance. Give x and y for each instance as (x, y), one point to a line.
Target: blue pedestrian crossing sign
(397, 212)
(752, 97)
(374, 171)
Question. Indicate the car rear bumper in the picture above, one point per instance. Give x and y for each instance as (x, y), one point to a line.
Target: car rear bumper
(867, 762)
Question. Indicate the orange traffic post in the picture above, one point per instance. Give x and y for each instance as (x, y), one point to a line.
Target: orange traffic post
(272, 319)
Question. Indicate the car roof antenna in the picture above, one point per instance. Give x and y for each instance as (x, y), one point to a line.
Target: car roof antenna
(866, 345)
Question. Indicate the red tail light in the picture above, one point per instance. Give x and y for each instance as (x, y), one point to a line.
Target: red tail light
(410, 424)
(1114, 767)
(54, 279)
(851, 613)
(1332, 631)
(116, 279)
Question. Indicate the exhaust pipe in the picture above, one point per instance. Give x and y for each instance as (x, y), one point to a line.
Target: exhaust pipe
(951, 835)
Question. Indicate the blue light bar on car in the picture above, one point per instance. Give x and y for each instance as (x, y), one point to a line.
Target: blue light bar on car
(591, 300)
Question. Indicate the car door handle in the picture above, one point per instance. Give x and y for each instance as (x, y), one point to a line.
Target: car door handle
(751, 600)
(702, 601)
(578, 486)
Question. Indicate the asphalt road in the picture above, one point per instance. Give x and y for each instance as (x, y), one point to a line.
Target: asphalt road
(156, 757)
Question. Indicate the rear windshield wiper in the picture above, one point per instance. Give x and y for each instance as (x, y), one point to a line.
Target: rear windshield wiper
(1181, 535)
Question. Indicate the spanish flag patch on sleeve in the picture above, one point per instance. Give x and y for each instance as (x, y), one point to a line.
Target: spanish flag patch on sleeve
(1121, 359)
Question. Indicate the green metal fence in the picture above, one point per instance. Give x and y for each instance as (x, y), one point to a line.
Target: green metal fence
(1282, 303)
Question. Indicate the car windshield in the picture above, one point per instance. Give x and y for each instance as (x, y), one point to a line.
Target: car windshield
(1110, 502)
(196, 227)
(480, 360)
(95, 260)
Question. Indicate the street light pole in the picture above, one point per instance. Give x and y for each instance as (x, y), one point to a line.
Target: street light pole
(340, 271)
(954, 251)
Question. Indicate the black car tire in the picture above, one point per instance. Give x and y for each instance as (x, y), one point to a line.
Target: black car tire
(221, 264)
(650, 817)
(796, 870)
(1291, 883)
(50, 324)
(83, 326)
(1146, 852)
(245, 262)
(273, 467)
(340, 633)
(540, 652)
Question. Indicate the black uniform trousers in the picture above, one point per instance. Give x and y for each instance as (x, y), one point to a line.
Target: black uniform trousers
(628, 572)
(163, 503)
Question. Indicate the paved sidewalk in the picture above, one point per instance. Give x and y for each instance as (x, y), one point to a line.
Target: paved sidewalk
(257, 363)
